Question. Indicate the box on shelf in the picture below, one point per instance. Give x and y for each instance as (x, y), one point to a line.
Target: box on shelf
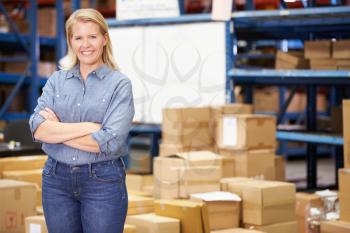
(335, 227)
(346, 132)
(17, 201)
(22, 163)
(318, 49)
(152, 223)
(189, 127)
(223, 208)
(285, 227)
(280, 168)
(47, 22)
(344, 194)
(341, 49)
(239, 132)
(193, 215)
(46, 68)
(268, 202)
(253, 163)
(323, 64)
(291, 60)
(140, 205)
(36, 224)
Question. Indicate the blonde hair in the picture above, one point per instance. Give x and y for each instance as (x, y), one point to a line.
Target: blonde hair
(87, 15)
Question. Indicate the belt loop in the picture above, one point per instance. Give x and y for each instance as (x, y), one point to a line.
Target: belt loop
(54, 166)
(90, 170)
(121, 159)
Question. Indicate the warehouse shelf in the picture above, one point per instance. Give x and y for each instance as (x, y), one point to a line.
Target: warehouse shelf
(7, 78)
(11, 38)
(310, 138)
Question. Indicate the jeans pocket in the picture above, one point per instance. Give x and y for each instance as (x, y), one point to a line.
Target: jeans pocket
(49, 167)
(110, 173)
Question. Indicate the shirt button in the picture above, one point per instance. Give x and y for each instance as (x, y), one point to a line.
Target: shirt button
(58, 95)
(78, 104)
(113, 134)
(94, 72)
(74, 158)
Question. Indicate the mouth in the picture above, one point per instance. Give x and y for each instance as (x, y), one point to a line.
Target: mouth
(86, 53)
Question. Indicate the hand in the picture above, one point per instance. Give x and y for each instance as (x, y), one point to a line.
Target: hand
(48, 114)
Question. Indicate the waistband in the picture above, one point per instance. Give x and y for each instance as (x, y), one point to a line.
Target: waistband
(119, 161)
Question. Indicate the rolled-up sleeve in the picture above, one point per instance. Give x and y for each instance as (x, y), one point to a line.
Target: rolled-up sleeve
(45, 100)
(117, 120)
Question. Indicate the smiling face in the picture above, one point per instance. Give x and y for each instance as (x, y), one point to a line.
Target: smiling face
(87, 42)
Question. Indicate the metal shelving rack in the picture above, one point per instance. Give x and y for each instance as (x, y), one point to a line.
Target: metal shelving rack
(31, 44)
(304, 24)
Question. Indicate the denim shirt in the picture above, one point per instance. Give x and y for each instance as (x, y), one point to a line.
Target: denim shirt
(105, 97)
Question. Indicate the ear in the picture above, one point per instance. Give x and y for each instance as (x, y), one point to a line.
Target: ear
(105, 39)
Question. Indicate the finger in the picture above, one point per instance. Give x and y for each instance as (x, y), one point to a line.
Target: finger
(44, 114)
(50, 111)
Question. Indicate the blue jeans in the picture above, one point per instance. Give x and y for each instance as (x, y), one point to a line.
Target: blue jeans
(89, 198)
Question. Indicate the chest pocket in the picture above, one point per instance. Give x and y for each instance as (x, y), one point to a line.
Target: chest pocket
(61, 106)
(97, 108)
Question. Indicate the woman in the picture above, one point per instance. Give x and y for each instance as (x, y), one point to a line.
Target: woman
(83, 119)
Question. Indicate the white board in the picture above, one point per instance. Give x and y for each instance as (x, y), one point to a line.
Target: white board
(180, 65)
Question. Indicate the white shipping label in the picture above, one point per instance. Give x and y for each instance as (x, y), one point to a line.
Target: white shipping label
(34, 228)
(229, 131)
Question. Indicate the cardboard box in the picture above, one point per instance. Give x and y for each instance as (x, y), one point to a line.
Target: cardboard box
(284, 227)
(47, 22)
(305, 201)
(343, 67)
(268, 202)
(231, 109)
(344, 194)
(280, 168)
(223, 208)
(253, 163)
(170, 149)
(323, 64)
(343, 62)
(341, 49)
(135, 182)
(335, 227)
(189, 127)
(32, 176)
(151, 223)
(237, 230)
(140, 163)
(346, 132)
(15, 67)
(193, 216)
(22, 163)
(17, 201)
(228, 166)
(36, 224)
(46, 69)
(129, 228)
(318, 49)
(140, 205)
(239, 132)
(291, 60)
(224, 183)
(179, 175)
(302, 224)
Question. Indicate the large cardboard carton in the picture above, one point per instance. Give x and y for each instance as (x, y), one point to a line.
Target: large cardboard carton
(189, 127)
(318, 49)
(344, 194)
(285, 227)
(36, 224)
(170, 149)
(140, 205)
(239, 132)
(268, 202)
(346, 132)
(17, 201)
(224, 183)
(228, 166)
(129, 228)
(32, 176)
(280, 168)
(253, 163)
(335, 227)
(193, 215)
(237, 230)
(22, 163)
(151, 223)
(341, 49)
(223, 208)
(177, 176)
(141, 183)
(305, 201)
(323, 64)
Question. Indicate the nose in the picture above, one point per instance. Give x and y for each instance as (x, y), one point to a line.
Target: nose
(86, 43)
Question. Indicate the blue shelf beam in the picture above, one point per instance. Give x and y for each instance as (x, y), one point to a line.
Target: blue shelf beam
(13, 79)
(11, 38)
(310, 138)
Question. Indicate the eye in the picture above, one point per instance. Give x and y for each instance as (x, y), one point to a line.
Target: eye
(77, 38)
(93, 36)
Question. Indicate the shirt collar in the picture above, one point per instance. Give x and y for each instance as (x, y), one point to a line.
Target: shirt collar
(100, 72)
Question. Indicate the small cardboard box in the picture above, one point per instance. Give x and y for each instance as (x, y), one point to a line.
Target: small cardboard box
(140, 205)
(36, 224)
(32, 176)
(341, 49)
(193, 215)
(291, 60)
(151, 223)
(346, 132)
(129, 228)
(223, 208)
(239, 132)
(268, 202)
(22, 163)
(318, 49)
(323, 64)
(335, 227)
(305, 201)
(285, 227)
(344, 194)
(17, 201)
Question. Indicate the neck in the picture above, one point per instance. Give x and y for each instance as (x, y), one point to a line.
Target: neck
(85, 70)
